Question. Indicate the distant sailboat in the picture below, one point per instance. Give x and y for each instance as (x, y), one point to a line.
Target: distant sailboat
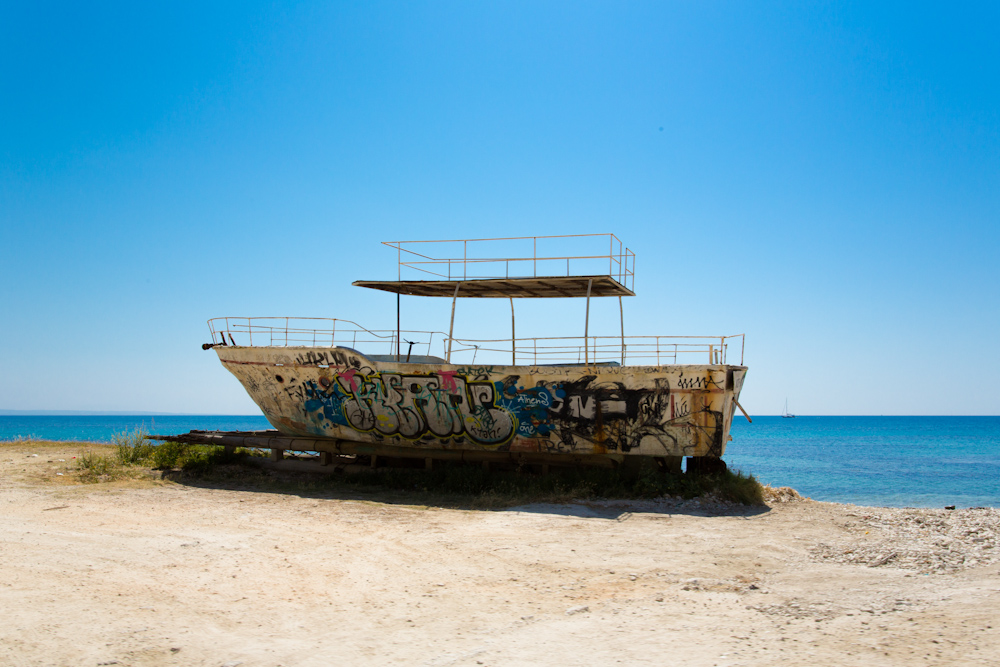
(786, 414)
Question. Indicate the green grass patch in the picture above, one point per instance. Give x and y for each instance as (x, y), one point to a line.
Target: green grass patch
(96, 464)
(133, 447)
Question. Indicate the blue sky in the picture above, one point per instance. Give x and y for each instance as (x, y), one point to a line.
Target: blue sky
(821, 176)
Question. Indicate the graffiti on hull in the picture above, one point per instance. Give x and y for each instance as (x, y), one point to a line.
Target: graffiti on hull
(661, 414)
(437, 405)
(606, 415)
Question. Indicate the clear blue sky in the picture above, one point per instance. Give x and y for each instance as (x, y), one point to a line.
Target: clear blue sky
(822, 176)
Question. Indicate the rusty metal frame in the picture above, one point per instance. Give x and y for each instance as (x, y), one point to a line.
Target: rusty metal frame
(297, 332)
(621, 260)
(640, 350)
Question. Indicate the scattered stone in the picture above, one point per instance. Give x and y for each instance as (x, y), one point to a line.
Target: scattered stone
(924, 540)
(577, 610)
(781, 494)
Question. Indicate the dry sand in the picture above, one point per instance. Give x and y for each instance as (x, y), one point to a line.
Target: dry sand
(163, 573)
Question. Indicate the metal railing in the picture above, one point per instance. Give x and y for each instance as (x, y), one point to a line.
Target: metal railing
(307, 332)
(601, 254)
(627, 350)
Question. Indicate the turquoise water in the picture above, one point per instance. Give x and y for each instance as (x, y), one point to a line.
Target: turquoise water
(885, 461)
(99, 428)
(888, 461)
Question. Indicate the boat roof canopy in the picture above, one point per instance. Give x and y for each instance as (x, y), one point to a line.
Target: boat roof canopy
(504, 288)
(529, 267)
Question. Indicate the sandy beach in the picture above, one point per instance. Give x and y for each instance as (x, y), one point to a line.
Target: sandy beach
(167, 573)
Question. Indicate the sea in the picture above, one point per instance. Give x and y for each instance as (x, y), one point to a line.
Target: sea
(877, 461)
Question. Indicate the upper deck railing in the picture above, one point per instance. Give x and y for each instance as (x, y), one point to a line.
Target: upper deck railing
(623, 350)
(516, 257)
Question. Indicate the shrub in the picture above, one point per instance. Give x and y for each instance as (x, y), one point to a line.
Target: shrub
(96, 464)
(169, 454)
(133, 447)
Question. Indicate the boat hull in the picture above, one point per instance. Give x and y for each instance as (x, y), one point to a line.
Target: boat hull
(339, 393)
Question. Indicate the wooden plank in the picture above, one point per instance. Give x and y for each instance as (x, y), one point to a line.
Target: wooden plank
(280, 443)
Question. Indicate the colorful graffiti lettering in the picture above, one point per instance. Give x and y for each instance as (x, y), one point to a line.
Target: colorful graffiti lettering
(478, 407)
(605, 414)
(531, 406)
(441, 405)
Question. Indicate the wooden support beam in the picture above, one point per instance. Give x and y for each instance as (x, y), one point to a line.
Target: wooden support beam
(742, 410)
(325, 458)
(272, 440)
(277, 454)
(672, 464)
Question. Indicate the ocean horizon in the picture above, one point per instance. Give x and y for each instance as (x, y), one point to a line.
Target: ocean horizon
(887, 461)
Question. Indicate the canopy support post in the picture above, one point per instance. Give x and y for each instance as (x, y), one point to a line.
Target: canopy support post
(513, 336)
(451, 327)
(586, 327)
(399, 276)
(621, 315)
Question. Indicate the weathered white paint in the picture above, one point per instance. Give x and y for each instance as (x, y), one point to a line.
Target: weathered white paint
(675, 410)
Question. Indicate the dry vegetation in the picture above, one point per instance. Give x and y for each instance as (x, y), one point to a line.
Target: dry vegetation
(131, 455)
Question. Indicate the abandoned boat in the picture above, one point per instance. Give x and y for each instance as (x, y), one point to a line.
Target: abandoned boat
(331, 385)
